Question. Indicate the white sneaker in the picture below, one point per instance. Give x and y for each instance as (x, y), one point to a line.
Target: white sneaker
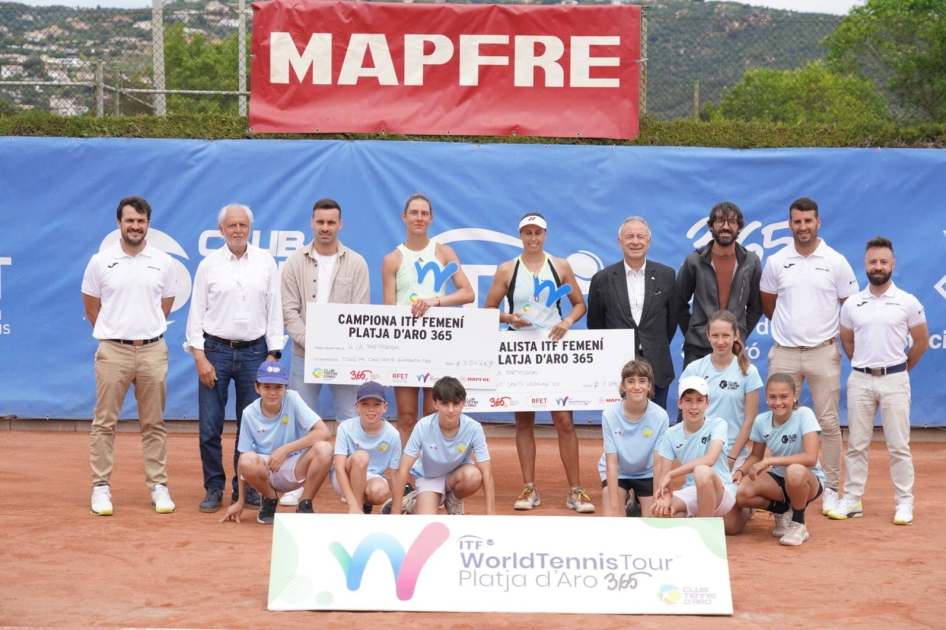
(782, 521)
(847, 508)
(579, 501)
(161, 500)
(453, 505)
(829, 500)
(904, 514)
(797, 534)
(101, 501)
(291, 498)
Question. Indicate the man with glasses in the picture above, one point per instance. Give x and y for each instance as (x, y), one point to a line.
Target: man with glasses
(721, 275)
(638, 293)
(803, 287)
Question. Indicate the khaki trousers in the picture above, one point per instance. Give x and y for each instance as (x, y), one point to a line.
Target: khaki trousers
(821, 367)
(891, 394)
(117, 367)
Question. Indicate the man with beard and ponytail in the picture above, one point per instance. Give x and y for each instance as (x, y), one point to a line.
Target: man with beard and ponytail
(803, 287)
(875, 324)
(721, 275)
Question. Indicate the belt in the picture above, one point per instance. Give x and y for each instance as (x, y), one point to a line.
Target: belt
(236, 345)
(827, 342)
(893, 369)
(137, 342)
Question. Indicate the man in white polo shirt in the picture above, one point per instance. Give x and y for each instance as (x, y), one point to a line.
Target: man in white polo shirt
(128, 291)
(235, 323)
(874, 328)
(802, 288)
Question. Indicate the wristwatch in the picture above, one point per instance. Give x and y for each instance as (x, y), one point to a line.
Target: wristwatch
(275, 353)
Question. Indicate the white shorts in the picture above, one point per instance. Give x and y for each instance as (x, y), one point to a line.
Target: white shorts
(432, 484)
(284, 479)
(688, 496)
(336, 487)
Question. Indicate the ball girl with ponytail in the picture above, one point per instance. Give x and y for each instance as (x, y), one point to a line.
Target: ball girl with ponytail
(734, 383)
(786, 481)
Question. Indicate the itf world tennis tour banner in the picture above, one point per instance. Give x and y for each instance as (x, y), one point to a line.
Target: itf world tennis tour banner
(496, 70)
(501, 564)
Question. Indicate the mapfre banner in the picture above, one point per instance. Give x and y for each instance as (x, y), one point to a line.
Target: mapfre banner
(565, 71)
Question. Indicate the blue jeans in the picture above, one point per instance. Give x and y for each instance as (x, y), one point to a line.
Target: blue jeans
(240, 366)
(343, 396)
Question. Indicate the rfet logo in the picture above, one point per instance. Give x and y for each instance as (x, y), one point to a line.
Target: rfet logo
(406, 566)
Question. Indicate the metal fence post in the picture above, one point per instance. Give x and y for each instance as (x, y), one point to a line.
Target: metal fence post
(99, 89)
(157, 56)
(642, 104)
(241, 66)
(696, 100)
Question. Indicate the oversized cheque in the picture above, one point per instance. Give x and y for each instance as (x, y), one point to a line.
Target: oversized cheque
(353, 343)
(580, 371)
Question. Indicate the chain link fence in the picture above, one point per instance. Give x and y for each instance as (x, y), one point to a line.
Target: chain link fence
(709, 62)
(74, 61)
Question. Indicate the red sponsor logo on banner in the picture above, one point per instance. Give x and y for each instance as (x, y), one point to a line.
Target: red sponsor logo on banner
(329, 67)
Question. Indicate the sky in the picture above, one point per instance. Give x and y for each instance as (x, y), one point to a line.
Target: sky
(838, 7)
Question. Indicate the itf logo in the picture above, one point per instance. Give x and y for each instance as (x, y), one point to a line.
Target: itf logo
(423, 377)
(406, 566)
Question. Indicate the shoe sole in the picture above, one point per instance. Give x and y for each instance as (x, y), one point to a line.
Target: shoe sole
(793, 544)
(163, 510)
(844, 517)
(262, 522)
(101, 513)
(209, 510)
(895, 522)
(526, 506)
(582, 510)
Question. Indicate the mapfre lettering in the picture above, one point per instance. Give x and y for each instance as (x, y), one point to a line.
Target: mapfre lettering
(527, 54)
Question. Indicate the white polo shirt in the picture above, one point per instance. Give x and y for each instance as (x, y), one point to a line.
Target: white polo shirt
(809, 291)
(131, 290)
(881, 326)
(237, 299)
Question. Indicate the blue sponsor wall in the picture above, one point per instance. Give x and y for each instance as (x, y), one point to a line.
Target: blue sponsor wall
(58, 199)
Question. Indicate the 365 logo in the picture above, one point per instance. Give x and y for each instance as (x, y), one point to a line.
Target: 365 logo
(359, 375)
(406, 566)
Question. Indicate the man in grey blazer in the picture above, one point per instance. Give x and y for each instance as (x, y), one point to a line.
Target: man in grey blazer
(640, 294)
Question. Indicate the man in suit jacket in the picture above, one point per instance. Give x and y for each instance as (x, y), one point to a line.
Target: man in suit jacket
(638, 293)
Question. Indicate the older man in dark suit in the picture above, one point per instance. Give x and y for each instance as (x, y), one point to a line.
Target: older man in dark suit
(638, 293)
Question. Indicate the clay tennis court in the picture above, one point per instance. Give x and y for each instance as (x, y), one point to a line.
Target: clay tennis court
(61, 567)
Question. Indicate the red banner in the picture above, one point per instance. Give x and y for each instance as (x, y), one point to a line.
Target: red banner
(445, 69)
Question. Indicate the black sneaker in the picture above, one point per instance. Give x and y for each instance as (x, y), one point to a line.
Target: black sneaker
(211, 502)
(305, 507)
(366, 508)
(252, 497)
(386, 507)
(632, 508)
(267, 511)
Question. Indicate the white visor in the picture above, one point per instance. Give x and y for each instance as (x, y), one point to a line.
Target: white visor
(533, 219)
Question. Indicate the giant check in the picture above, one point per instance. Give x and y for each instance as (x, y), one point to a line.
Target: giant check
(580, 371)
(354, 343)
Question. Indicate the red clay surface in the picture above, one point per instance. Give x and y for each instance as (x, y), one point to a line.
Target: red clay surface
(62, 567)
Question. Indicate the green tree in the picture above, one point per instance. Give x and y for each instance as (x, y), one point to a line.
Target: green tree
(194, 63)
(900, 44)
(810, 94)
